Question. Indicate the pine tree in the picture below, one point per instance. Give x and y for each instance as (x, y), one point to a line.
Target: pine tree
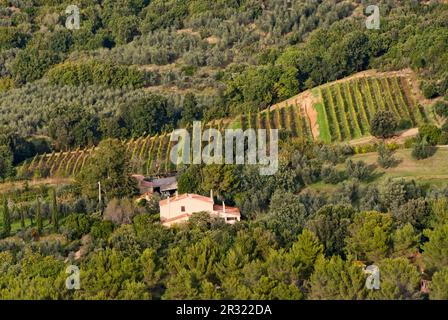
(39, 221)
(336, 279)
(439, 285)
(54, 211)
(305, 251)
(6, 219)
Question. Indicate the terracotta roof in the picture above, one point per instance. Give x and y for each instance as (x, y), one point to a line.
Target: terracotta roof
(229, 210)
(184, 215)
(184, 196)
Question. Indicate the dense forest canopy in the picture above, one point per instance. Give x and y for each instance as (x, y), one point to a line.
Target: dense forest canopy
(236, 56)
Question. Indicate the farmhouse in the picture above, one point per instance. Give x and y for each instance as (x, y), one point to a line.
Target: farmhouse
(146, 187)
(179, 209)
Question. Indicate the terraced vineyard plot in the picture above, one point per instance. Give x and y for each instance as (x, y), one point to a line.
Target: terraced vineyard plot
(346, 109)
(289, 118)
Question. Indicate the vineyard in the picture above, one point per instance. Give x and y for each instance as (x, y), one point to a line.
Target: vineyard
(343, 112)
(290, 119)
(148, 155)
(346, 108)
(151, 155)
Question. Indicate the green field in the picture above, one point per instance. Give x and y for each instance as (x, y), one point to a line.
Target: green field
(433, 170)
(15, 225)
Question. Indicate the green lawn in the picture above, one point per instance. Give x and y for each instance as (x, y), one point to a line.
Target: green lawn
(433, 170)
(15, 225)
(324, 130)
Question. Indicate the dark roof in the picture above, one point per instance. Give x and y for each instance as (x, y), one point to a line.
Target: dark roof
(163, 182)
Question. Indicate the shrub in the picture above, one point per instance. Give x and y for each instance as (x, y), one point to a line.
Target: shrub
(409, 143)
(431, 132)
(441, 108)
(329, 174)
(365, 148)
(75, 226)
(429, 90)
(443, 138)
(93, 72)
(404, 124)
(121, 211)
(358, 170)
(385, 156)
(445, 127)
(422, 149)
(383, 124)
(102, 229)
(6, 84)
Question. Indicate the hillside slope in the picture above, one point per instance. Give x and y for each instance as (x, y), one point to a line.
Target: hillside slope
(326, 113)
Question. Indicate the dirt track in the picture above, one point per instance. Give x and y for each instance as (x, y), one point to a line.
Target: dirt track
(400, 138)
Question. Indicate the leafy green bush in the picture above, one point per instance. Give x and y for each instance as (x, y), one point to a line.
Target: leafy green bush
(441, 108)
(31, 64)
(102, 229)
(429, 89)
(409, 142)
(11, 37)
(383, 124)
(431, 132)
(422, 149)
(329, 174)
(93, 72)
(75, 226)
(358, 170)
(385, 156)
(404, 124)
(443, 138)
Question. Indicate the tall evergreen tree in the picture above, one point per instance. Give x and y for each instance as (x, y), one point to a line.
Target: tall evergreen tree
(22, 218)
(54, 211)
(40, 225)
(6, 219)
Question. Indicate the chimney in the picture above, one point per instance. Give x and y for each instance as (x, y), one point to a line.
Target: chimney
(211, 194)
(223, 207)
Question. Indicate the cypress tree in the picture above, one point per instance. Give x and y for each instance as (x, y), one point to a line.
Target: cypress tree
(30, 215)
(22, 218)
(54, 211)
(40, 226)
(6, 219)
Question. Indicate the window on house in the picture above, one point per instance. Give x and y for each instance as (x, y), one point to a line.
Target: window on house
(182, 209)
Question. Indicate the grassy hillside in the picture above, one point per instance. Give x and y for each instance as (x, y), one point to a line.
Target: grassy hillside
(433, 170)
(430, 172)
(341, 111)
